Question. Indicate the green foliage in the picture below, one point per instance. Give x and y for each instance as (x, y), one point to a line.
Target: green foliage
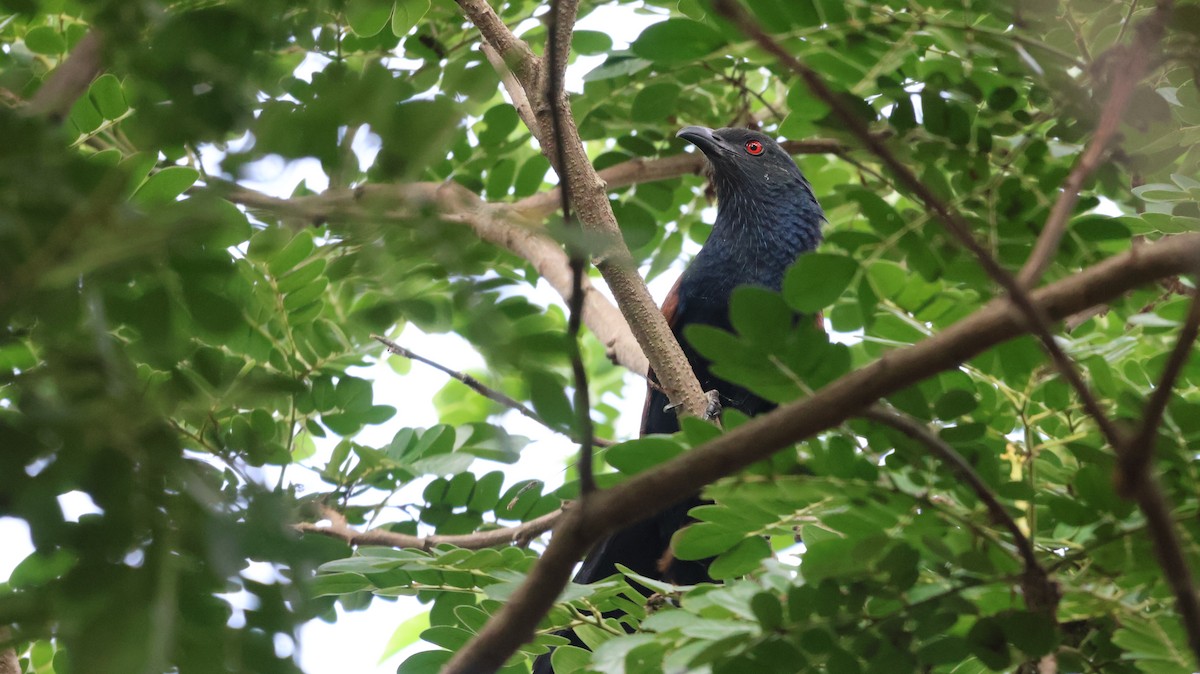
(167, 342)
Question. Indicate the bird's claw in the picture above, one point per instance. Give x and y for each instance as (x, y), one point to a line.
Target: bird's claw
(713, 411)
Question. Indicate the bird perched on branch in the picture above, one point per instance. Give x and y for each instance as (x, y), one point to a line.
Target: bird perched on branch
(767, 216)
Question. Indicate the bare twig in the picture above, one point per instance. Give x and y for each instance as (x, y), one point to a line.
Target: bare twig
(1160, 525)
(651, 491)
(1130, 65)
(1041, 593)
(477, 386)
(519, 536)
(1039, 323)
(70, 79)
(1136, 458)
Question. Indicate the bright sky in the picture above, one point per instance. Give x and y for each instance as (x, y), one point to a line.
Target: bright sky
(355, 642)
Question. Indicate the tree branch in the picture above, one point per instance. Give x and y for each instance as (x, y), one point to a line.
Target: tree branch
(1131, 66)
(595, 212)
(478, 387)
(1039, 323)
(1134, 480)
(1041, 593)
(519, 535)
(70, 79)
(9, 663)
(558, 48)
(496, 225)
(651, 491)
(641, 170)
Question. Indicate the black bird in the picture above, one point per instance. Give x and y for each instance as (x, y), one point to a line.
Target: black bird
(767, 216)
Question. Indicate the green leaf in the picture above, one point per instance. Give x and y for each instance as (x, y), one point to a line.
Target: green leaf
(635, 456)
(570, 659)
(676, 41)
(299, 248)
(165, 186)
(703, 540)
(428, 662)
(588, 42)
(106, 93)
(817, 280)
(368, 17)
(45, 40)
(407, 14)
(406, 634)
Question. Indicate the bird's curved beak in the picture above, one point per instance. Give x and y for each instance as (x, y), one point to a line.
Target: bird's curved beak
(700, 136)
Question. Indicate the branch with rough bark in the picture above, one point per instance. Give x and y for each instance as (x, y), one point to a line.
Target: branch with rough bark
(654, 490)
(519, 536)
(590, 200)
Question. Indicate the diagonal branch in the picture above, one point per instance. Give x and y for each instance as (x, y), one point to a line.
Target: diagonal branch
(1041, 593)
(1135, 460)
(1132, 62)
(478, 387)
(519, 536)
(70, 79)
(594, 210)
(1134, 480)
(650, 492)
(951, 219)
(403, 204)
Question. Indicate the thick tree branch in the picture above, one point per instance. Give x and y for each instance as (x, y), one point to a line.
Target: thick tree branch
(591, 204)
(519, 536)
(950, 218)
(1130, 65)
(69, 80)
(516, 53)
(650, 492)
(1041, 593)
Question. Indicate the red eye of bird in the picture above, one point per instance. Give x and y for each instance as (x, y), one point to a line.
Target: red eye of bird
(754, 147)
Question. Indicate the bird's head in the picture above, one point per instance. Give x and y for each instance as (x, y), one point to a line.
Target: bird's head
(754, 176)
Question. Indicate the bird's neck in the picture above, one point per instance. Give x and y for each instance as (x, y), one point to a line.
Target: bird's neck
(755, 239)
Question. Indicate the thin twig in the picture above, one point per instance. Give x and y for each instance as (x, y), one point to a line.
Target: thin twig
(650, 492)
(558, 42)
(519, 535)
(1039, 323)
(1140, 450)
(477, 386)
(1041, 593)
(1130, 66)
